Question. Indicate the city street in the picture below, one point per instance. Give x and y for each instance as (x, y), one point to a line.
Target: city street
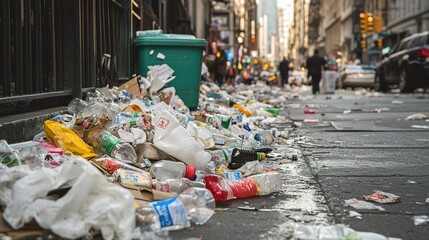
(344, 156)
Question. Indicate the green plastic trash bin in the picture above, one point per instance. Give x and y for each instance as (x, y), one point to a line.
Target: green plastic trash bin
(183, 53)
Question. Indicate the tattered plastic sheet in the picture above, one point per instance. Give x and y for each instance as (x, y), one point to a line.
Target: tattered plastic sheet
(91, 203)
(335, 232)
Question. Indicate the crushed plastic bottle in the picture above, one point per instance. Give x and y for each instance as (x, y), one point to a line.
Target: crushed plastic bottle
(260, 184)
(268, 182)
(76, 105)
(107, 143)
(194, 204)
(175, 185)
(165, 169)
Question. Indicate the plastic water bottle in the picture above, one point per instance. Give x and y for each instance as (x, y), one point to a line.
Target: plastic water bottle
(165, 169)
(107, 143)
(76, 105)
(221, 156)
(175, 185)
(224, 190)
(260, 184)
(194, 204)
(268, 182)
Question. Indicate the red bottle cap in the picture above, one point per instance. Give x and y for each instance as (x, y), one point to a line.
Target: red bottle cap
(190, 172)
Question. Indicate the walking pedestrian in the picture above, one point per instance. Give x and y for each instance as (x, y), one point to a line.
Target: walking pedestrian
(284, 71)
(314, 66)
(220, 66)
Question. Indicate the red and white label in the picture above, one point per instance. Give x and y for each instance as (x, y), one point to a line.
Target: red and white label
(162, 123)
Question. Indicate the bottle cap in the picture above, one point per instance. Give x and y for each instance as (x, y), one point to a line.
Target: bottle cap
(190, 172)
(219, 170)
(132, 122)
(261, 156)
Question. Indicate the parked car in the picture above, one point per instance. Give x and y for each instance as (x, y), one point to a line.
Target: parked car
(406, 65)
(356, 76)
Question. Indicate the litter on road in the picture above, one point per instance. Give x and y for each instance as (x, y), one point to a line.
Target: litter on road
(421, 220)
(135, 159)
(382, 197)
(359, 204)
(334, 232)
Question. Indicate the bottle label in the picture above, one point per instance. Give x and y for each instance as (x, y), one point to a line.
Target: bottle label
(219, 141)
(108, 142)
(232, 176)
(170, 212)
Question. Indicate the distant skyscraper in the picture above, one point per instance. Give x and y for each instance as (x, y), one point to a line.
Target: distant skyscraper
(267, 15)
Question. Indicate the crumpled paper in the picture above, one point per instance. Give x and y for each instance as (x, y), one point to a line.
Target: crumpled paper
(382, 197)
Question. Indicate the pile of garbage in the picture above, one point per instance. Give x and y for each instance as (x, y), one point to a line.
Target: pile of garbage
(132, 159)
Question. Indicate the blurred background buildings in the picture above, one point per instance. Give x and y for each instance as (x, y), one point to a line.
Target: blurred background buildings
(53, 51)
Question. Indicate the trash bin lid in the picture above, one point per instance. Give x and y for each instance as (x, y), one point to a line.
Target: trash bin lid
(169, 40)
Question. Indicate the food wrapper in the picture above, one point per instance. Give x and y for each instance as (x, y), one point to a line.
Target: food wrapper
(382, 197)
(138, 179)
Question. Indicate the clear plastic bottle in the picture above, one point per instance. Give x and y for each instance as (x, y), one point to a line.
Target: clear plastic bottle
(107, 143)
(222, 140)
(175, 185)
(165, 169)
(221, 156)
(76, 105)
(194, 204)
(268, 182)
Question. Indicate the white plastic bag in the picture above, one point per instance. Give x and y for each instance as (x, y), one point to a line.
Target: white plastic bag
(91, 203)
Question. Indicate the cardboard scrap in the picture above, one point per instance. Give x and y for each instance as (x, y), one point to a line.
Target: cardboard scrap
(132, 86)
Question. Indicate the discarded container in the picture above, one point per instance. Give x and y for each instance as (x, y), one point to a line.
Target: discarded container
(194, 204)
(183, 53)
(240, 156)
(175, 185)
(165, 169)
(260, 184)
(109, 144)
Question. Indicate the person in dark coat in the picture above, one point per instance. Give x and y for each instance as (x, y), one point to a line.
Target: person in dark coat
(284, 71)
(315, 65)
(220, 67)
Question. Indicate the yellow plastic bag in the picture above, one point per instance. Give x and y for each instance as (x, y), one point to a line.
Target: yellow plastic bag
(68, 140)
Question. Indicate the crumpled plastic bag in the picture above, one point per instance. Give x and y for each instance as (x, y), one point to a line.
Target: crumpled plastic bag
(67, 139)
(91, 203)
(175, 140)
(335, 232)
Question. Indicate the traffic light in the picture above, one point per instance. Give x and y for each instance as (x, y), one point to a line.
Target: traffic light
(378, 24)
(363, 44)
(363, 23)
(380, 43)
(370, 22)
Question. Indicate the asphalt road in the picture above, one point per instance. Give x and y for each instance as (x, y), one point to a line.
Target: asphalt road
(366, 150)
(342, 156)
